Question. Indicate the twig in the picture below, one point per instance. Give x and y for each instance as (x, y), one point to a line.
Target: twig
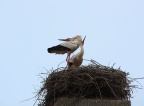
(111, 88)
(60, 64)
(98, 89)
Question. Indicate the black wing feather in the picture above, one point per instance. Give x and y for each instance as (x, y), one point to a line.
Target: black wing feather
(58, 48)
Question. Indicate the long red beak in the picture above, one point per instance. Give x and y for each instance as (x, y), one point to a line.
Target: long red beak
(83, 40)
(68, 39)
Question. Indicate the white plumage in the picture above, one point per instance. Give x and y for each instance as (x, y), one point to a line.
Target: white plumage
(69, 46)
(76, 60)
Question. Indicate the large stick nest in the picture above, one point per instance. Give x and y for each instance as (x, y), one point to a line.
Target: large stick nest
(92, 81)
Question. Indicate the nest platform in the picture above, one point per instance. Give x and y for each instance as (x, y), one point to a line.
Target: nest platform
(93, 81)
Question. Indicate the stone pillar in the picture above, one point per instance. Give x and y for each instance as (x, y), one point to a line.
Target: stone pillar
(90, 102)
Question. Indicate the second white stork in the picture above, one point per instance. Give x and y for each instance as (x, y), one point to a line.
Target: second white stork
(69, 46)
(76, 60)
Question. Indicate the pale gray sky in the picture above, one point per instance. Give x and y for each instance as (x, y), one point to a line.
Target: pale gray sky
(114, 29)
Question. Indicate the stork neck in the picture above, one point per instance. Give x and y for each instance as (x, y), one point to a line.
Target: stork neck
(81, 53)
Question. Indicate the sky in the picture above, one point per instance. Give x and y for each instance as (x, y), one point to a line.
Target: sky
(114, 30)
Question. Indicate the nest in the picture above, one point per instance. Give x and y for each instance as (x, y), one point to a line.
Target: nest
(93, 81)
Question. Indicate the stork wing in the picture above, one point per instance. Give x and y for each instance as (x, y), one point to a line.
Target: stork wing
(63, 48)
(70, 45)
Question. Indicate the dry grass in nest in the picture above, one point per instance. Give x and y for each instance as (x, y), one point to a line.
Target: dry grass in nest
(92, 81)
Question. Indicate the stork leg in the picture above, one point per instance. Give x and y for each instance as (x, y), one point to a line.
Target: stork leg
(67, 59)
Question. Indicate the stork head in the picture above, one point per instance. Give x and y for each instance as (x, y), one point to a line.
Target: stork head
(83, 40)
(78, 37)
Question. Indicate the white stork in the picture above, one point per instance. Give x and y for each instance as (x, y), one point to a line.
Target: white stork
(76, 60)
(69, 46)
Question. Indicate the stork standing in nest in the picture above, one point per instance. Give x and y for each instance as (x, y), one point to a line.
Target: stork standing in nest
(76, 60)
(69, 46)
